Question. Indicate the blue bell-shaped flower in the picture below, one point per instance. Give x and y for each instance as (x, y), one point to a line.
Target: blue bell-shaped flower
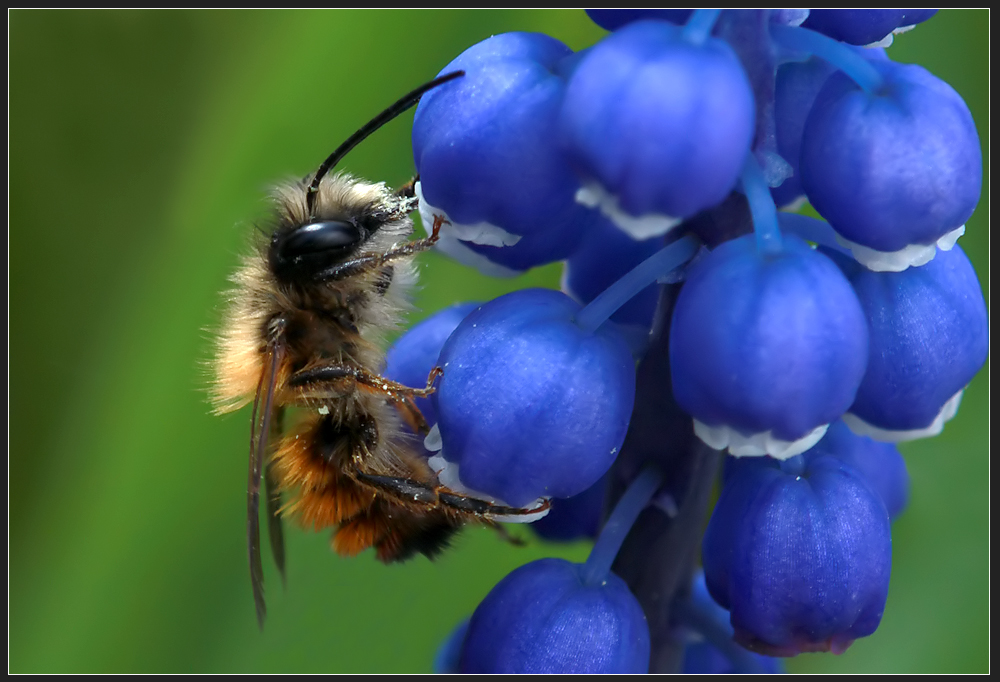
(545, 618)
(799, 552)
(530, 405)
(656, 125)
(766, 350)
(896, 172)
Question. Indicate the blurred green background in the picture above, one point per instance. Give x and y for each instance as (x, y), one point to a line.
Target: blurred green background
(141, 147)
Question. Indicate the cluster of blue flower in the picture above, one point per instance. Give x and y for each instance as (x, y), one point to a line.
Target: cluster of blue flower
(652, 164)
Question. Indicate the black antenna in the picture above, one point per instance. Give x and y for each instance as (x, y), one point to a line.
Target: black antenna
(392, 112)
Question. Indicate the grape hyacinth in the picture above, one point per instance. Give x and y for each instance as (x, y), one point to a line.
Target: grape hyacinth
(697, 324)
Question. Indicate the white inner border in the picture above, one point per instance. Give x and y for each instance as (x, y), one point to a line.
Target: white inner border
(912, 255)
(646, 226)
(452, 236)
(757, 444)
(863, 428)
(447, 473)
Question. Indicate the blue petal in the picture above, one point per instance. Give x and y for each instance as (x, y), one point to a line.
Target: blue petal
(542, 619)
(529, 404)
(767, 344)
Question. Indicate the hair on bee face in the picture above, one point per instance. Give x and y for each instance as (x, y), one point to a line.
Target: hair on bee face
(348, 218)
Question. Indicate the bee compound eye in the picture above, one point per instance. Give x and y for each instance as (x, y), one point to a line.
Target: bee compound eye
(320, 237)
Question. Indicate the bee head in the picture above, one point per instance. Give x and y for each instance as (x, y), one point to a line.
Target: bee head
(309, 249)
(305, 253)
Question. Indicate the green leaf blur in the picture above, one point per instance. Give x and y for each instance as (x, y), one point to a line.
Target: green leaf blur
(141, 148)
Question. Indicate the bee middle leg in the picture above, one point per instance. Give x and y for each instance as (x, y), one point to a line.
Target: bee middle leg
(340, 376)
(410, 411)
(337, 374)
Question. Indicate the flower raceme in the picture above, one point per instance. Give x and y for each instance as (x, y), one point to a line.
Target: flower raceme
(651, 163)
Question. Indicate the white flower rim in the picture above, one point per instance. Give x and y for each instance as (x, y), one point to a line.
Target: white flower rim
(486, 234)
(646, 226)
(453, 235)
(912, 255)
(887, 41)
(863, 428)
(757, 444)
(447, 473)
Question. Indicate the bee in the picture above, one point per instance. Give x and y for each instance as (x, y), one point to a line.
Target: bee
(303, 333)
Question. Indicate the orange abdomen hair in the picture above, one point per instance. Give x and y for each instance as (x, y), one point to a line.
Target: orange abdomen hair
(315, 465)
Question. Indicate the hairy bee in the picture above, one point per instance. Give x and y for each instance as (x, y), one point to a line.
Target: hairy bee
(302, 331)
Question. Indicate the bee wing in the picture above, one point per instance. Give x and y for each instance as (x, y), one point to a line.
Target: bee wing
(260, 427)
(272, 493)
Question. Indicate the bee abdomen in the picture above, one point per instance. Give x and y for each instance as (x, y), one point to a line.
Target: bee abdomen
(396, 533)
(323, 495)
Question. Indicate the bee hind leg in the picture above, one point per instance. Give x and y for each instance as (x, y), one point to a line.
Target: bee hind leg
(408, 490)
(484, 509)
(396, 547)
(405, 490)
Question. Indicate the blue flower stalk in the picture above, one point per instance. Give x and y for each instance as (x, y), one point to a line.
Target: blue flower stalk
(695, 320)
(657, 266)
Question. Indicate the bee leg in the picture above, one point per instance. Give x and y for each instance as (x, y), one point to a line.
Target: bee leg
(433, 376)
(330, 374)
(402, 396)
(506, 535)
(358, 266)
(484, 508)
(408, 492)
(408, 394)
(412, 415)
(419, 524)
(426, 243)
(408, 408)
(404, 489)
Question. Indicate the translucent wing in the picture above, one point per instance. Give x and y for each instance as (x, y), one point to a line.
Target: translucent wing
(272, 492)
(260, 428)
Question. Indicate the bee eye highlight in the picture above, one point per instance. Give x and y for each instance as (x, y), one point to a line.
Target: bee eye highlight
(327, 235)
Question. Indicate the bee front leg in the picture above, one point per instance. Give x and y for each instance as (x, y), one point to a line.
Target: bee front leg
(359, 266)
